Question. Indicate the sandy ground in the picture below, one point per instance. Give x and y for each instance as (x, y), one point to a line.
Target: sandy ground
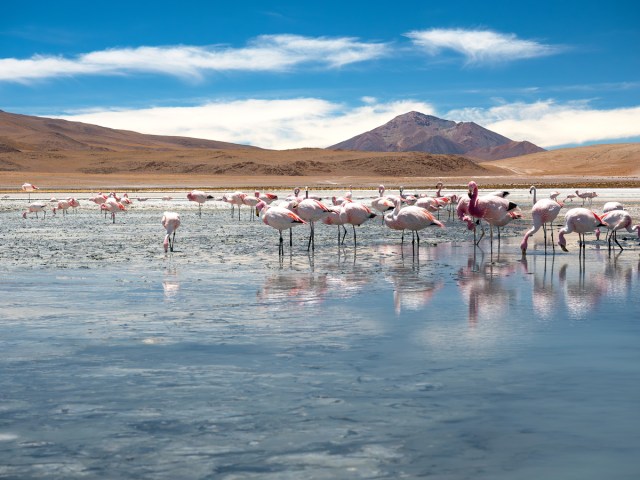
(11, 181)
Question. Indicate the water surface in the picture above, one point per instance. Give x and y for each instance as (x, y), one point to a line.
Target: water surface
(224, 361)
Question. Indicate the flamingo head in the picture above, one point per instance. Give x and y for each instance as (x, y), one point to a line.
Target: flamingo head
(381, 189)
(473, 189)
(531, 189)
(260, 205)
(562, 242)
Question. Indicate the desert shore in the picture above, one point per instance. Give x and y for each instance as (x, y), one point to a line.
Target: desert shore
(11, 181)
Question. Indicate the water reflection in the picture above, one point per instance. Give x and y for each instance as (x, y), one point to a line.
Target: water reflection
(483, 286)
(170, 284)
(411, 291)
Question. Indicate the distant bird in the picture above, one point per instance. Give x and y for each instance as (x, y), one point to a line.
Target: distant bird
(554, 195)
(570, 197)
(251, 202)
(279, 218)
(99, 199)
(618, 220)
(73, 203)
(29, 187)
(266, 197)
(544, 212)
(35, 208)
(63, 205)
(579, 220)
(199, 197)
(112, 206)
(235, 198)
(125, 200)
(586, 196)
(171, 222)
(167, 198)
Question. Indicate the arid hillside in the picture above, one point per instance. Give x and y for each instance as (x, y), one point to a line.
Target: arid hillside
(614, 160)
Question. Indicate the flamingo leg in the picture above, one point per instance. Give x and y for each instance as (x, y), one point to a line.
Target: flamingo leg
(354, 234)
(615, 237)
(173, 240)
(281, 244)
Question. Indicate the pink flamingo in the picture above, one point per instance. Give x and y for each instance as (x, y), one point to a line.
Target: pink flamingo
(382, 203)
(199, 197)
(610, 206)
(618, 220)
(251, 202)
(29, 187)
(570, 197)
(235, 198)
(171, 222)
(334, 218)
(310, 210)
(544, 212)
(586, 196)
(355, 214)
(112, 205)
(554, 195)
(63, 205)
(491, 208)
(411, 218)
(279, 218)
(73, 203)
(266, 197)
(579, 220)
(348, 197)
(35, 208)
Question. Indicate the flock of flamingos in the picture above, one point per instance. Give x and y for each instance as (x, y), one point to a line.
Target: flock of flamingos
(399, 212)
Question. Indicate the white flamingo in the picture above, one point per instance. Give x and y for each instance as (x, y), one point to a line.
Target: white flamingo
(171, 222)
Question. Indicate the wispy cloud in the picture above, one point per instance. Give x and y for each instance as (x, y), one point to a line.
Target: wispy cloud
(480, 46)
(275, 124)
(550, 124)
(264, 53)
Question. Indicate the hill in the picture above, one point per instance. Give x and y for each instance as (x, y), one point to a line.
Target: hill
(415, 131)
(608, 160)
(24, 133)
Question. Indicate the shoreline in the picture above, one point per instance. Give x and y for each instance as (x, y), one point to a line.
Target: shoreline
(73, 182)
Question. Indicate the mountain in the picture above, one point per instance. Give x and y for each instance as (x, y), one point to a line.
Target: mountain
(24, 133)
(415, 131)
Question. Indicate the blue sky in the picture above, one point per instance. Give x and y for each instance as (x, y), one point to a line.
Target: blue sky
(290, 74)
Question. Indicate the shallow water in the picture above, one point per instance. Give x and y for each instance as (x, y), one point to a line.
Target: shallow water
(222, 360)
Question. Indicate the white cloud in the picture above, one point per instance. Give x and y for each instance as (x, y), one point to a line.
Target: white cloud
(314, 122)
(265, 53)
(274, 124)
(549, 124)
(480, 46)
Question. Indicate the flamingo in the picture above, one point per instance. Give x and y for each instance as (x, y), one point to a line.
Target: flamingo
(570, 197)
(126, 200)
(251, 202)
(411, 218)
(310, 210)
(171, 222)
(73, 203)
(112, 205)
(382, 203)
(355, 214)
(586, 196)
(35, 208)
(554, 195)
(610, 206)
(579, 220)
(200, 197)
(279, 218)
(235, 198)
(348, 196)
(29, 187)
(619, 220)
(544, 212)
(266, 197)
(334, 218)
(63, 205)
(492, 207)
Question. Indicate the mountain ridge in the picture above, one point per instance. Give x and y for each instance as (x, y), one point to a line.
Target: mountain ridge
(415, 131)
